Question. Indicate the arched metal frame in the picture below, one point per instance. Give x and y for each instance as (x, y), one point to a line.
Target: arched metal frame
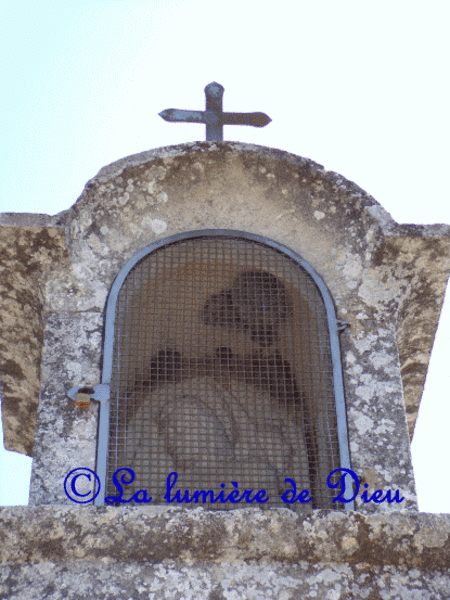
(341, 417)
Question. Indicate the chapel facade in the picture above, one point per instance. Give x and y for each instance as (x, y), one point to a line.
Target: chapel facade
(243, 318)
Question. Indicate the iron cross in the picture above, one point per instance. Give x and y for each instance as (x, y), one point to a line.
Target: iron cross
(213, 117)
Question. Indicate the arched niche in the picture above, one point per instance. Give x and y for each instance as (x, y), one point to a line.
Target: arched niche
(222, 354)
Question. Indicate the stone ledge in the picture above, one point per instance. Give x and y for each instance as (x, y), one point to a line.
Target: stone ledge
(154, 534)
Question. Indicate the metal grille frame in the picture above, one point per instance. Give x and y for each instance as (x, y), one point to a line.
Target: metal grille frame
(110, 339)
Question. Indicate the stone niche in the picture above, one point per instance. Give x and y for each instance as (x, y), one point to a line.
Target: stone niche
(386, 281)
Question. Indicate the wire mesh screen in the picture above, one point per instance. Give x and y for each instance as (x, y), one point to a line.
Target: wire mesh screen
(222, 373)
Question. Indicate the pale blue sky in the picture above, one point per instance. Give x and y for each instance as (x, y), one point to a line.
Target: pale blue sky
(360, 87)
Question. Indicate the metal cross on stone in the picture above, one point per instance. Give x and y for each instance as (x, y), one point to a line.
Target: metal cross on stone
(213, 117)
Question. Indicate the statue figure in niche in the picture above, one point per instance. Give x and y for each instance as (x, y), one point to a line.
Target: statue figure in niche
(226, 409)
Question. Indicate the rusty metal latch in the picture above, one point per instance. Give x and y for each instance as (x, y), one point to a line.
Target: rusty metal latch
(82, 395)
(342, 325)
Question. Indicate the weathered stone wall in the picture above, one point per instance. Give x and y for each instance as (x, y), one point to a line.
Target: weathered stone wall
(419, 255)
(29, 248)
(65, 434)
(387, 281)
(56, 552)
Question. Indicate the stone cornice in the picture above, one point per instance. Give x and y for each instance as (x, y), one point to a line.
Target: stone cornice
(62, 534)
